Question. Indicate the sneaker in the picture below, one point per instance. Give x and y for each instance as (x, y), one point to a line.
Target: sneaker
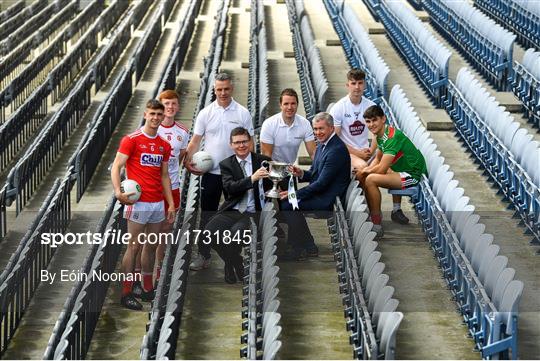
(377, 228)
(129, 301)
(137, 289)
(312, 251)
(199, 263)
(399, 217)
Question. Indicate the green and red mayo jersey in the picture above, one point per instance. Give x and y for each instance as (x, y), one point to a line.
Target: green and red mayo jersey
(407, 158)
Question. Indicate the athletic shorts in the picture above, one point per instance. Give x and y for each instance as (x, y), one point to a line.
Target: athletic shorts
(145, 212)
(407, 180)
(176, 199)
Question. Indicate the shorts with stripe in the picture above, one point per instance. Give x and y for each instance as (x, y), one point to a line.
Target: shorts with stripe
(145, 212)
(407, 180)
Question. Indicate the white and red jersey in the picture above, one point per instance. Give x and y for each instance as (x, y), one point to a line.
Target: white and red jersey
(178, 136)
(146, 154)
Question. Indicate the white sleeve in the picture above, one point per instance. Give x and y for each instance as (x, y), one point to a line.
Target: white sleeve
(308, 136)
(248, 122)
(185, 140)
(336, 112)
(266, 133)
(200, 123)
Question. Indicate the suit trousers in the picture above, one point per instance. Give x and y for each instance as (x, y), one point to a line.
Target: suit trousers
(232, 221)
(211, 189)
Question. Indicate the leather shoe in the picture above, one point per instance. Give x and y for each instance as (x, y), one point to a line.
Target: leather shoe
(230, 277)
(293, 254)
(312, 251)
(128, 301)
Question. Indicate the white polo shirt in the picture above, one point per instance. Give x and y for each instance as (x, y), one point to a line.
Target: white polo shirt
(350, 117)
(286, 139)
(215, 124)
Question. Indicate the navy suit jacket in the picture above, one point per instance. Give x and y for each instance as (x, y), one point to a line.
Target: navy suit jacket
(328, 177)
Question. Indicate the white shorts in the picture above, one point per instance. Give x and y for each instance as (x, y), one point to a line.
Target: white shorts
(407, 180)
(145, 212)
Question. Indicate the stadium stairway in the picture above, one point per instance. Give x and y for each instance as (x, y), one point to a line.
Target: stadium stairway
(509, 234)
(45, 307)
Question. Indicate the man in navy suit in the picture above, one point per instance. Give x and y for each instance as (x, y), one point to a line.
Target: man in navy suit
(328, 177)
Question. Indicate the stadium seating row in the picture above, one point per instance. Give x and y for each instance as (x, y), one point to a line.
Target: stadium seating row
(482, 284)
(507, 152)
(258, 90)
(360, 51)
(21, 17)
(29, 116)
(20, 278)
(35, 22)
(488, 46)
(526, 85)
(313, 80)
(20, 52)
(426, 56)
(261, 316)
(522, 17)
(12, 10)
(369, 307)
(159, 342)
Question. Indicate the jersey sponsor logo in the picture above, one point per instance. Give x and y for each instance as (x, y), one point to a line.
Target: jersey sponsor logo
(151, 160)
(357, 127)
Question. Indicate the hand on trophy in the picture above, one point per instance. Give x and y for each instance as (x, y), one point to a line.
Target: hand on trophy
(283, 195)
(296, 171)
(262, 172)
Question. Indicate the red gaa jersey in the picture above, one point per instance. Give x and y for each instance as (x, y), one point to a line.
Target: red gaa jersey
(144, 164)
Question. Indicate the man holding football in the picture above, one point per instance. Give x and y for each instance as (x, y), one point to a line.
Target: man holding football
(145, 155)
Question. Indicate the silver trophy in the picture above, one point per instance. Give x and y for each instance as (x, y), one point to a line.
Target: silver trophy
(276, 172)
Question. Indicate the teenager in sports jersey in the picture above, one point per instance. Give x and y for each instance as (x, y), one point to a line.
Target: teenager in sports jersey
(350, 125)
(178, 136)
(398, 165)
(145, 156)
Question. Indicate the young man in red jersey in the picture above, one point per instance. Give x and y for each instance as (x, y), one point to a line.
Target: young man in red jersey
(145, 155)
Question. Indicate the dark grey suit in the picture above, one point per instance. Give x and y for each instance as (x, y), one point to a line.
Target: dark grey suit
(235, 186)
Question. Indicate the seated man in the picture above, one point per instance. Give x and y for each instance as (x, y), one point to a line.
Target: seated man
(243, 186)
(398, 165)
(328, 177)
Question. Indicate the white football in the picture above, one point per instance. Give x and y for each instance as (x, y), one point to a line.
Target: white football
(202, 161)
(130, 186)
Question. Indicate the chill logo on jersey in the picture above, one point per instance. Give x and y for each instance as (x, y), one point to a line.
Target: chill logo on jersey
(151, 160)
(357, 127)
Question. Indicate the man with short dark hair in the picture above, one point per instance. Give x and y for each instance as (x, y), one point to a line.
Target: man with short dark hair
(243, 186)
(328, 177)
(282, 133)
(145, 156)
(215, 123)
(399, 164)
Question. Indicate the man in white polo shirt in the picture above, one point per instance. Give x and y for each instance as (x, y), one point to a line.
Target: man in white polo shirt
(348, 113)
(282, 133)
(215, 123)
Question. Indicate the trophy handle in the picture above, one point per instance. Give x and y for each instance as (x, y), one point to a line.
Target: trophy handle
(265, 164)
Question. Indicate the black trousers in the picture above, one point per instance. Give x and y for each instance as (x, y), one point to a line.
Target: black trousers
(211, 189)
(229, 245)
